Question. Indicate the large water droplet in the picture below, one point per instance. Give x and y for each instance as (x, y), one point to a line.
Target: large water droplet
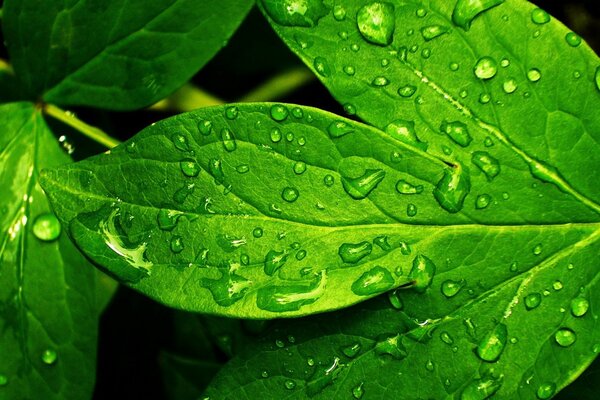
(228, 139)
(395, 300)
(322, 67)
(299, 167)
(167, 219)
(274, 260)
(485, 68)
(306, 13)
(486, 163)
(328, 180)
(205, 127)
(353, 253)
(359, 188)
(46, 227)
(451, 288)
(290, 297)
(376, 280)
(565, 337)
(279, 112)
(391, 346)
(457, 131)
(534, 75)
(228, 289)
(376, 22)
(573, 39)
(181, 195)
(290, 194)
(422, 272)
(451, 190)
(579, 306)
(492, 345)
(539, 16)
(216, 170)
(339, 128)
(49, 356)
(433, 31)
(483, 201)
(465, 11)
(546, 390)
(405, 132)
(189, 167)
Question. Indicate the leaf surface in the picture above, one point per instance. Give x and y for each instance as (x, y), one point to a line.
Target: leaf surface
(114, 54)
(48, 316)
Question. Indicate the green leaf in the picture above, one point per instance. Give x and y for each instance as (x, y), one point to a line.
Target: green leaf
(114, 54)
(496, 77)
(186, 378)
(48, 316)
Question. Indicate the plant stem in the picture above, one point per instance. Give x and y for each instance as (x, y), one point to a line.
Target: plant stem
(187, 98)
(90, 131)
(280, 85)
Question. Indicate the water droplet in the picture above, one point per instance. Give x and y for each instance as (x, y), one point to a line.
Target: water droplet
(597, 78)
(49, 357)
(328, 180)
(492, 345)
(215, 169)
(377, 22)
(376, 280)
(510, 86)
(358, 391)
(485, 98)
(486, 163)
(573, 39)
(391, 346)
(339, 13)
(359, 188)
(422, 272)
(279, 112)
(305, 13)
(189, 167)
(275, 135)
(352, 350)
(421, 12)
(426, 53)
(181, 195)
(403, 187)
(176, 244)
(395, 300)
(228, 139)
(451, 190)
(446, 338)
(579, 306)
(481, 389)
(232, 112)
(322, 67)
(565, 337)
(404, 131)
(290, 385)
(180, 142)
(465, 11)
(539, 16)
(433, 31)
(300, 255)
(273, 261)
(382, 243)
(380, 81)
(338, 129)
(534, 75)
(264, 374)
(411, 210)
(242, 168)
(557, 285)
(299, 167)
(407, 91)
(353, 253)
(457, 131)
(349, 109)
(46, 227)
(290, 297)
(205, 127)
(349, 70)
(289, 194)
(532, 301)
(546, 391)
(505, 62)
(451, 288)
(537, 250)
(485, 68)
(257, 232)
(483, 201)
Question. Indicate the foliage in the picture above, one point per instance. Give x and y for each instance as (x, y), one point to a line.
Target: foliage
(439, 241)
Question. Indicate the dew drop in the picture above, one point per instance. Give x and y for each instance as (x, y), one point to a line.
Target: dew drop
(492, 345)
(483, 201)
(395, 300)
(228, 139)
(353, 253)
(205, 127)
(407, 91)
(546, 391)
(446, 338)
(176, 244)
(451, 288)
(404, 131)
(290, 385)
(485, 68)
(422, 272)
(539, 16)
(297, 112)
(180, 142)
(486, 163)
(299, 167)
(391, 346)
(349, 70)
(481, 389)
(380, 81)
(382, 243)
(403, 187)
(537, 250)
(279, 112)
(349, 109)
(328, 180)
(322, 67)
(557, 285)
(411, 210)
(573, 39)
(485, 98)
(532, 301)
(46, 227)
(216, 170)
(565, 337)
(358, 391)
(242, 168)
(429, 366)
(289, 194)
(534, 75)
(273, 261)
(451, 190)
(232, 112)
(579, 306)
(305, 13)
(351, 350)
(338, 129)
(457, 131)
(49, 357)
(376, 280)
(359, 188)
(275, 135)
(339, 13)
(257, 232)
(597, 78)
(189, 167)
(376, 22)
(510, 86)
(465, 11)
(433, 31)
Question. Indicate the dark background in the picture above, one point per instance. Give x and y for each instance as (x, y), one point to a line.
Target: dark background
(134, 329)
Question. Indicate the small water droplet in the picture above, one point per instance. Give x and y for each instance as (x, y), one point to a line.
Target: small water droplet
(485, 68)
(242, 168)
(421, 12)
(433, 31)
(300, 255)
(290, 385)
(279, 112)
(546, 390)
(446, 338)
(257, 232)
(351, 350)
(180, 142)
(510, 86)
(349, 70)
(483, 201)
(579, 306)
(597, 78)
(328, 180)
(565, 337)
(539, 16)
(485, 98)
(537, 250)
(465, 11)
(339, 13)
(189, 167)
(322, 67)
(480, 389)
(49, 357)
(358, 391)
(534, 75)
(395, 300)
(352, 253)
(299, 167)
(403, 187)
(46, 227)
(290, 194)
(411, 210)
(404, 131)
(176, 244)
(486, 163)
(451, 190)
(338, 129)
(391, 346)
(205, 127)
(492, 345)
(228, 140)
(407, 91)
(359, 188)
(422, 273)
(532, 301)
(451, 288)
(349, 109)
(275, 135)
(232, 112)
(376, 280)
(557, 285)
(264, 374)
(305, 13)
(457, 131)
(377, 22)
(505, 62)
(380, 81)
(573, 39)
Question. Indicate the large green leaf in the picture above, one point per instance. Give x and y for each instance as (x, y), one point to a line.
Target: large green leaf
(48, 316)
(114, 54)
(515, 77)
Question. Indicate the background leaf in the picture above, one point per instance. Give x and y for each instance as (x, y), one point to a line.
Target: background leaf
(48, 316)
(112, 54)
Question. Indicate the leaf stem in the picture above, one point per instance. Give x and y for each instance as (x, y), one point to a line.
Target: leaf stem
(71, 120)
(280, 85)
(187, 98)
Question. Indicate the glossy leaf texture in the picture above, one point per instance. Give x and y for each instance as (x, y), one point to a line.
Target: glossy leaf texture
(496, 85)
(48, 316)
(114, 54)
